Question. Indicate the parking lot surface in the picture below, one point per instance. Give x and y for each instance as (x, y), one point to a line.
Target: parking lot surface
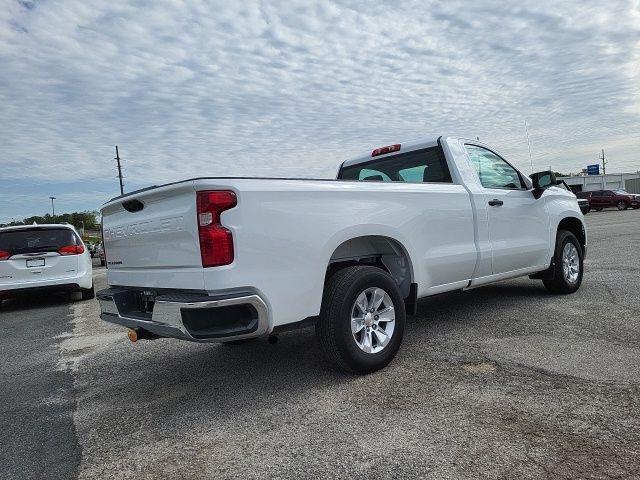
(504, 381)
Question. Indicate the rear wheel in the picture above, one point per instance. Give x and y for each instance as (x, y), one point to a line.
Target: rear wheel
(567, 268)
(622, 205)
(88, 293)
(362, 319)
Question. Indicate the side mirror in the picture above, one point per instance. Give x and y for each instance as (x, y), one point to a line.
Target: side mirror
(541, 181)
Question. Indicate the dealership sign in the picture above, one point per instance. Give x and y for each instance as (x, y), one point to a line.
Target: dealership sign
(593, 169)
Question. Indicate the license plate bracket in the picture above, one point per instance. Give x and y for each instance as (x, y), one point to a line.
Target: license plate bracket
(35, 262)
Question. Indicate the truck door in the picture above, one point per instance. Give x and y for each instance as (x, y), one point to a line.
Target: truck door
(518, 222)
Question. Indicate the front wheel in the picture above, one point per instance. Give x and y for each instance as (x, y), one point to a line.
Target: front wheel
(362, 319)
(568, 265)
(622, 205)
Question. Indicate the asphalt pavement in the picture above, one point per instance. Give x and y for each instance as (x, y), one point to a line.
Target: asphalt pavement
(505, 381)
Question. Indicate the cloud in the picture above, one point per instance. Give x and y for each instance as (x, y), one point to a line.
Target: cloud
(293, 88)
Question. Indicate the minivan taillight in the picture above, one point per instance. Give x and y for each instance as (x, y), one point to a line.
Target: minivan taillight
(71, 250)
(216, 241)
(4, 255)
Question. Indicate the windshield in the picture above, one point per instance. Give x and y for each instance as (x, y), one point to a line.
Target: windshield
(36, 240)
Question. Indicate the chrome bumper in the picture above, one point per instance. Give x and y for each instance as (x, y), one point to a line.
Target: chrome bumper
(167, 318)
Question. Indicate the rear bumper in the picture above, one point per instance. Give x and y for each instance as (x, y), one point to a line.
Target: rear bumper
(56, 288)
(74, 283)
(194, 317)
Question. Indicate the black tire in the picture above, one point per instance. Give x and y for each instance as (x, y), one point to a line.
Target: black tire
(88, 293)
(585, 210)
(333, 329)
(557, 282)
(598, 209)
(622, 205)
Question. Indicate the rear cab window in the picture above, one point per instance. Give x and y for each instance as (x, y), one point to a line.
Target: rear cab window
(36, 240)
(427, 165)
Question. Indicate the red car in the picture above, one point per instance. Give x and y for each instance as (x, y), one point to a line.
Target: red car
(599, 199)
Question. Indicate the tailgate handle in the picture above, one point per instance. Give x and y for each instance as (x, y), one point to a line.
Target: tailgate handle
(133, 205)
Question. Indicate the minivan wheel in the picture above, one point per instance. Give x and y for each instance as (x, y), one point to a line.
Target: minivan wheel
(568, 265)
(622, 205)
(88, 293)
(362, 319)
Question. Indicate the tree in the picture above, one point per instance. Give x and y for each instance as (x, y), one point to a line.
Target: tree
(88, 219)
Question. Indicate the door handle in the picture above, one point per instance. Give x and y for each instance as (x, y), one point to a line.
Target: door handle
(495, 202)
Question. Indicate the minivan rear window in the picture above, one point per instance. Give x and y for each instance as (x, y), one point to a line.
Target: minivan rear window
(36, 240)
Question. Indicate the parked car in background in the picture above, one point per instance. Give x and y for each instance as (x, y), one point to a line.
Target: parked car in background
(44, 258)
(100, 253)
(231, 259)
(599, 199)
(634, 198)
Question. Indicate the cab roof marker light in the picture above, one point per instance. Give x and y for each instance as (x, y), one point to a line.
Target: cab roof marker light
(385, 150)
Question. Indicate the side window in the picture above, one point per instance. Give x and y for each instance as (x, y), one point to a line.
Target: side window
(418, 166)
(492, 170)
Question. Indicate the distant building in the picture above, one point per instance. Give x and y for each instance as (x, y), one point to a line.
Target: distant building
(611, 181)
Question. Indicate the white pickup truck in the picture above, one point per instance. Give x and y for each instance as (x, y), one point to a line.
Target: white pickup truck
(220, 259)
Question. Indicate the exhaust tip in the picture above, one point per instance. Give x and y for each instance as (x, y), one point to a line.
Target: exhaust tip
(133, 335)
(138, 333)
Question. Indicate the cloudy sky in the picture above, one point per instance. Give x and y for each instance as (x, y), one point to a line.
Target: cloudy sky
(192, 88)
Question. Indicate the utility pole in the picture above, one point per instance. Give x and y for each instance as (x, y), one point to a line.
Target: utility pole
(53, 209)
(604, 163)
(526, 129)
(117, 158)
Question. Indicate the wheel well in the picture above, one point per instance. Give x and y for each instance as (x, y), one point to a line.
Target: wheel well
(378, 251)
(576, 227)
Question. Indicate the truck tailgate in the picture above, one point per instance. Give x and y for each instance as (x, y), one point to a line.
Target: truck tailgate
(151, 238)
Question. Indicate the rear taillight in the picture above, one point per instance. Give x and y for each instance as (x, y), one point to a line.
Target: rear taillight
(216, 241)
(4, 255)
(71, 250)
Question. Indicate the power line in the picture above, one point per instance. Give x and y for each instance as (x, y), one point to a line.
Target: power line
(117, 158)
